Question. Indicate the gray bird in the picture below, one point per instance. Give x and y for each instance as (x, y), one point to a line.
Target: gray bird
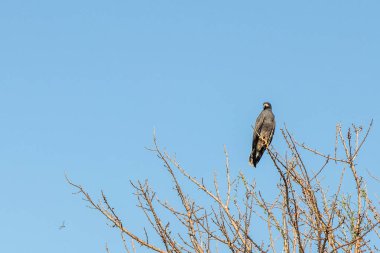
(262, 134)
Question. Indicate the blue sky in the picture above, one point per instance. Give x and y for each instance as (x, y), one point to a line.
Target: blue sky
(84, 83)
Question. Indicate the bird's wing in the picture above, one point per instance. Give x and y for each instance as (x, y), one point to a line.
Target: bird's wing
(272, 132)
(257, 129)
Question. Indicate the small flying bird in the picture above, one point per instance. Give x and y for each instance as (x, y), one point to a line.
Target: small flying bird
(62, 226)
(262, 133)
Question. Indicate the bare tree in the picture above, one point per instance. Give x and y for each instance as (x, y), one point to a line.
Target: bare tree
(304, 216)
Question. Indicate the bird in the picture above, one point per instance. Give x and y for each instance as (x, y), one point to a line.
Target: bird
(262, 133)
(62, 226)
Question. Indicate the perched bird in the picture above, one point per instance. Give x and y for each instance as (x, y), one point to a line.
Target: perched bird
(262, 133)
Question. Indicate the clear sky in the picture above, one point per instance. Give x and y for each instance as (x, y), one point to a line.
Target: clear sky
(84, 83)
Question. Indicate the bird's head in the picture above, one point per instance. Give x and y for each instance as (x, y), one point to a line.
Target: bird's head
(267, 105)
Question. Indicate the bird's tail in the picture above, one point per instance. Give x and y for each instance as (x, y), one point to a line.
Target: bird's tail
(255, 157)
(252, 159)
